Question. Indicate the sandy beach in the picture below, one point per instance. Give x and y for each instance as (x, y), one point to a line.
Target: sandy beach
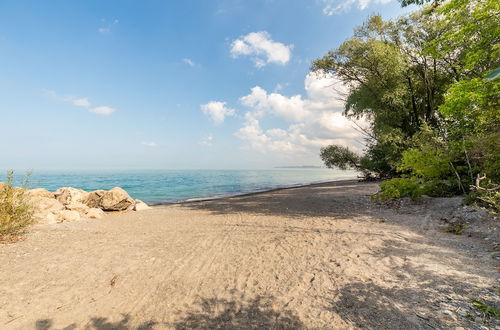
(318, 257)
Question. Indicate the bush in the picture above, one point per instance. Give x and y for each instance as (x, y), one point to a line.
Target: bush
(16, 210)
(398, 188)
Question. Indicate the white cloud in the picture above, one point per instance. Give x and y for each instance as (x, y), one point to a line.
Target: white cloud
(149, 144)
(313, 122)
(332, 7)
(79, 102)
(207, 141)
(75, 100)
(103, 110)
(262, 49)
(106, 28)
(189, 62)
(217, 111)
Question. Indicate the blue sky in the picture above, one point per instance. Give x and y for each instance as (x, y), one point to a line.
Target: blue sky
(172, 84)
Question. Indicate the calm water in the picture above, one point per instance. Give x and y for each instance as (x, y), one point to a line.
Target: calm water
(159, 186)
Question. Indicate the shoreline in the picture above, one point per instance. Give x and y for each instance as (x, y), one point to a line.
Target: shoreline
(257, 192)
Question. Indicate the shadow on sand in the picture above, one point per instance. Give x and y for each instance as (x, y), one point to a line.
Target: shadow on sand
(328, 199)
(208, 313)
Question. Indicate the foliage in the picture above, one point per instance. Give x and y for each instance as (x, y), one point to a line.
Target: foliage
(492, 311)
(420, 81)
(16, 210)
(398, 188)
(392, 81)
(341, 157)
(456, 229)
(405, 3)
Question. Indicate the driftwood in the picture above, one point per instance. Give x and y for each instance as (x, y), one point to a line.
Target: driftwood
(477, 186)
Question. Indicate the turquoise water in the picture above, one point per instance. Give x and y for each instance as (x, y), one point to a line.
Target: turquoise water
(164, 186)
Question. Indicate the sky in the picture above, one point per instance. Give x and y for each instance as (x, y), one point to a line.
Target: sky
(207, 84)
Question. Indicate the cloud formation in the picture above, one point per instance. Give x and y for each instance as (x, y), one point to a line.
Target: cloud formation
(261, 48)
(189, 62)
(217, 111)
(79, 102)
(313, 122)
(106, 28)
(103, 110)
(149, 144)
(338, 6)
(207, 141)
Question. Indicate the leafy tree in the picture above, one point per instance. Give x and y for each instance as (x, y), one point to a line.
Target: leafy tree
(341, 157)
(420, 80)
(392, 81)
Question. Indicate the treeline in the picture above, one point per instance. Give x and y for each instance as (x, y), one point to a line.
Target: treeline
(429, 85)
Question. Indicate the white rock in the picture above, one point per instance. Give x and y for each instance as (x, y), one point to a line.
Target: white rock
(50, 218)
(68, 215)
(94, 198)
(44, 205)
(116, 199)
(140, 205)
(40, 192)
(79, 207)
(69, 195)
(94, 213)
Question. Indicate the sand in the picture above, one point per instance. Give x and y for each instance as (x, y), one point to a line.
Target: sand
(320, 257)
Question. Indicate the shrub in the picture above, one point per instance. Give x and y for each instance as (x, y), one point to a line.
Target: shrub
(399, 187)
(16, 210)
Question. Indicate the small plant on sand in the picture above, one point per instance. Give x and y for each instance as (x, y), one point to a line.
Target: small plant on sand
(456, 229)
(491, 311)
(16, 210)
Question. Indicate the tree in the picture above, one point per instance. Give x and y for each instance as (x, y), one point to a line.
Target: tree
(392, 80)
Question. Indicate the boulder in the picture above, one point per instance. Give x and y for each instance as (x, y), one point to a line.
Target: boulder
(40, 192)
(2, 185)
(94, 198)
(49, 218)
(94, 213)
(78, 207)
(69, 195)
(140, 205)
(68, 215)
(116, 199)
(44, 205)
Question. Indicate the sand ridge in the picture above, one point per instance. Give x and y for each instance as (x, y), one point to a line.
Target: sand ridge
(318, 257)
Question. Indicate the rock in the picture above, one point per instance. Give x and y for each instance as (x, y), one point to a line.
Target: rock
(116, 199)
(94, 198)
(2, 185)
(79, 207)
(44, 205)
(68, 215)
(140, 205)
(40, 192)
(50, 218)
(69, 195)
(94, 213)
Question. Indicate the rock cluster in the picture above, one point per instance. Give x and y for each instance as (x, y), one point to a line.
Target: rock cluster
(71, 204)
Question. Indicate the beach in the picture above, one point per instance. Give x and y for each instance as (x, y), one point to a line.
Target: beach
(323, 256)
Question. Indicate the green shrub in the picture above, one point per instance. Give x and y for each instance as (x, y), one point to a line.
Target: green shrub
(16, 210)
(488, 199)
(398, 188)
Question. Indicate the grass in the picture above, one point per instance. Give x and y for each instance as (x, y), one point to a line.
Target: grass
(492, 311)
(16, 210)
(456, 229)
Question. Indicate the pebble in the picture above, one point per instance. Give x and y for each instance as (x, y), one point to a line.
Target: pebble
(478, 320)
(447, 312)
